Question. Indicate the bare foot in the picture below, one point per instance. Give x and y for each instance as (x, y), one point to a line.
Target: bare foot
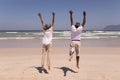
(48, 67)
(77, 66)
(70, 58)
(42, 66)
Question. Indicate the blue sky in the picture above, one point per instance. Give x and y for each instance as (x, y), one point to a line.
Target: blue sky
(22, 14)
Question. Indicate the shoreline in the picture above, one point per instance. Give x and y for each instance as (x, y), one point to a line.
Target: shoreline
(36, 43)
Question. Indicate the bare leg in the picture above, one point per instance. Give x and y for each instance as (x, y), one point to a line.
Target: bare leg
(43, 57)
(71, 55)
(48, 57)
(77, 62)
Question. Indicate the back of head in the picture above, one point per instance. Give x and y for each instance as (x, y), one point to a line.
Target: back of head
(77, 24)
(46, 26)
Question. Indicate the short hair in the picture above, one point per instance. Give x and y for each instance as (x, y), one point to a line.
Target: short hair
(77, 24)
(46, 26)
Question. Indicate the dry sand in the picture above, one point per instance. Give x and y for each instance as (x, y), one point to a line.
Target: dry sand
(101, 63)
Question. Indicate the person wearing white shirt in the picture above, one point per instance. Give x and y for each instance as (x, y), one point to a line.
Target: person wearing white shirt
(47, 40)
(76, 31)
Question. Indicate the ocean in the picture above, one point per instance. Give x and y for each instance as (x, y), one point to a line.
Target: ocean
(88, 38)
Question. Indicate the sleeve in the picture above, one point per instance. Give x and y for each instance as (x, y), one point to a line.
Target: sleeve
(51, 28)
(73, 28)
(80, 28)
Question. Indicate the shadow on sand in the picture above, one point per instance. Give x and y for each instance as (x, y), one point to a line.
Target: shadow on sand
(65, 70)
(41, 70)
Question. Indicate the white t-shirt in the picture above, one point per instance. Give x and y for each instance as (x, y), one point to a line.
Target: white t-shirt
(47, 38)
(76, 32)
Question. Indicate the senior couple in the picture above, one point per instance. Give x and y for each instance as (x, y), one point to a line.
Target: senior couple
(76, 30)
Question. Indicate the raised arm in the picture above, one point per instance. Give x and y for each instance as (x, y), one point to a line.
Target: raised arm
(71, 17)
(84, 18)
(40, 16)
(53, 18)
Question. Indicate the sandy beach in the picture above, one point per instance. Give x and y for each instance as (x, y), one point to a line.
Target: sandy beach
(91, 25)
(96, 63)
